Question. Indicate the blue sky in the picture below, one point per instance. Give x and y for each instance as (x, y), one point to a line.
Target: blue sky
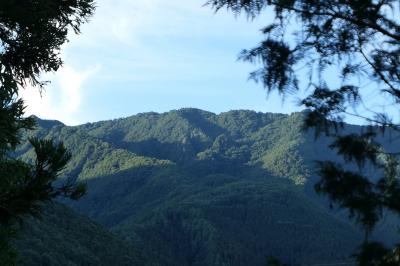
(154, 55)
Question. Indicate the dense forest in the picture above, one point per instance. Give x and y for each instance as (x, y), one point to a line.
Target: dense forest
(189, 187)
(63, 237)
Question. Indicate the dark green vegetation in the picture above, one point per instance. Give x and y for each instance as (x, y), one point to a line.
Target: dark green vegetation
(189, 187)
(335, 54)
(31, 36)
(63, 237)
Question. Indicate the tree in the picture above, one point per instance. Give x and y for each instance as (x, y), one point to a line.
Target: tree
(358, 41)
(31, 35)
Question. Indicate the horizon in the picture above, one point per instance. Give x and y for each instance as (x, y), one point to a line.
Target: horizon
(165, 112)
(153, 56)
(180, 109)
(190, 134)
(156, 57)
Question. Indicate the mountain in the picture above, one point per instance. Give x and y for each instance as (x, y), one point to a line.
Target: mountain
(63, 237)
(190, 187)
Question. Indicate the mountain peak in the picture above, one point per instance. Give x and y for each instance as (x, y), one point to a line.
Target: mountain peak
(45, 123)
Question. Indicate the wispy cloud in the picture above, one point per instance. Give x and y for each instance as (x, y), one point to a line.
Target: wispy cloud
(147, 49)
(62, 98)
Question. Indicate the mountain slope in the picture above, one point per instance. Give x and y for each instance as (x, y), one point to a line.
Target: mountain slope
(229, 219)
(190, 187)
(63, 237)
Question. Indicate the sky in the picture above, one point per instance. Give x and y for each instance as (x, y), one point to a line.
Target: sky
(154, 55)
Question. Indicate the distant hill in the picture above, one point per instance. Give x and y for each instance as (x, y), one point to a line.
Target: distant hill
(189, 187)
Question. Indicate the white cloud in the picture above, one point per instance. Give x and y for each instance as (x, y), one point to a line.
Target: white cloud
(140, 45)
(62, 98)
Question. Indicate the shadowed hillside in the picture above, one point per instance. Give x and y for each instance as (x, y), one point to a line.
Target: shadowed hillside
(63, 237)
(190, 187)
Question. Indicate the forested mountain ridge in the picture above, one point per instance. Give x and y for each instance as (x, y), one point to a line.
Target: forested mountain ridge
(189, 187)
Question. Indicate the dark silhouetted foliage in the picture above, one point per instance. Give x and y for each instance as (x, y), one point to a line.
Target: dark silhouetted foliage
(31, 35)
(360, 42)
